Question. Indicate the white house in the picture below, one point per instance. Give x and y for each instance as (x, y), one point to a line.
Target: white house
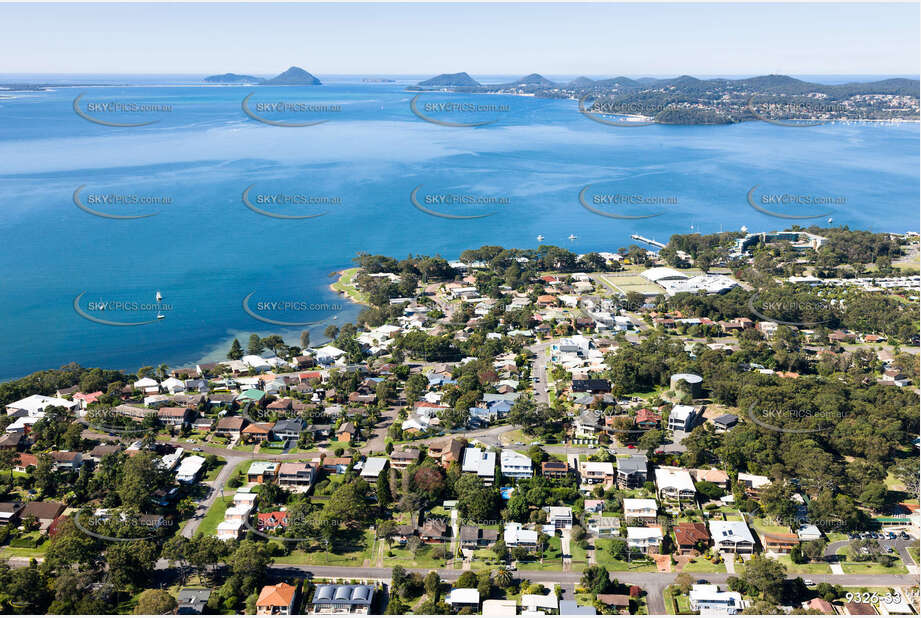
(538, 602)
(258, 363)
(328, 354)
(646, 540)
(173, 385)
(682, 418)
(731, 537)
(516, 536)
(189, 469)
(674, 484)
(515, 465)
(643, 509)
(480, 462)
(147, 385)
(35, 405)
(227, 530)
(708, 600)
(560, 517)
(461, 597)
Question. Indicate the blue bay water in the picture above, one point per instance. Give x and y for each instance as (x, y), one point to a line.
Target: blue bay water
(205, 251)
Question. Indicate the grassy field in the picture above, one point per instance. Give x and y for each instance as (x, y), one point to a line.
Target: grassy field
(603, 558)
(354, 555)
(423, 559)
(214, 516)
(212, 474)
(346, 285)
(702, 565)
(872, 568)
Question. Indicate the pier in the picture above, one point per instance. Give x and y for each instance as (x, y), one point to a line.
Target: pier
(654, 243)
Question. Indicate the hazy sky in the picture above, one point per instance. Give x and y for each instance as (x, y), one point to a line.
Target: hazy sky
(590, 39)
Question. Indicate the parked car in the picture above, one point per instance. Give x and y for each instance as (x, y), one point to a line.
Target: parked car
(809, 582)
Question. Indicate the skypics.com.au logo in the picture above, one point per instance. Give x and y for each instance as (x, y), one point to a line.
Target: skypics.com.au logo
(133, 312)
(611, 200)
(796, 205)
(119, 206)
(284, 112)
(288, 205)
(272, 310)
(119, 113)
(456, 113)
(462, 205)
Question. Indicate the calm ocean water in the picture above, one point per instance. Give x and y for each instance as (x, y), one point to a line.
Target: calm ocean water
(206, 251)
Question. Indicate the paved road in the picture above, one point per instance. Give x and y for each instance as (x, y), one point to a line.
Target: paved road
(900, 546)
(214, 490)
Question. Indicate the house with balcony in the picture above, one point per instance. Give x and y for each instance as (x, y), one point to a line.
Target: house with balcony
(674, 484)
(647, 540)
(732, 537)
(341, 599)
(296, 476)
(480, 462)
(514, 465)
(707, 599)
(632, 471)
(595, 472)
(641, 509)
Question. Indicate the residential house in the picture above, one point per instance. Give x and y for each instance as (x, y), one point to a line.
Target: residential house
(177, 417)
(9, 512)
(336, 465)
(533, 603)
(296, 476)
(641, 509)
(594, 472)
(35, 405)
(560, 517)
(272, 521)
(591, 386)
(690, 535)
(731, 537)
(45, 512)
(460, 598)
(66, 460)
(434, 530)
(674, 484)
(631, 471)
(471, 537)
(190, 468)
(192, 601)
(778, 542)
(711, 475)
(257, 432)
(682, 418)
(587, 425)
(447, 451)
(346, 432)
(276, 600)
(725, 422)
(569, 607)
(647, 419)
(230, 427)
(341, 599)
(620, 602)
(480, 462)
(753, 483)
(288, 429)
(707, 599)
(262, 471)
(554, 469)
(647, 540)
(514, 465)
(516, 535)
(404, 458)
(602, 526)
(373, 467)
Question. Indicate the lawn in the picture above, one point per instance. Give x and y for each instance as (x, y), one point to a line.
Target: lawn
(214, 516)
(762, 525)
(603, 558)
(872, 568)
(357, 550)
(346, 284)
(212, 473)
(423, 559)
(702, 565)
(913, 552)
(810, 568)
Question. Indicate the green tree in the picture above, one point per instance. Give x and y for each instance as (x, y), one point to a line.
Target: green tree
(766, 576)
(255, 345)
(236, 350)
(156, 602)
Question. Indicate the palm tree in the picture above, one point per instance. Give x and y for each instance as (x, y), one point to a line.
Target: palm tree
(503, 577)
(162, 370)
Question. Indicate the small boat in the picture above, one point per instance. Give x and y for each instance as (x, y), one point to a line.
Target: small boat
(829, 219)
(160, 316)
(335, 317)
(572, 237)
(540, 238)
(159, 296)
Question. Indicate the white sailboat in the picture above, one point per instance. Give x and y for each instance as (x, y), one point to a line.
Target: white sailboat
(572, 237)
(540, 238)
(159, 296)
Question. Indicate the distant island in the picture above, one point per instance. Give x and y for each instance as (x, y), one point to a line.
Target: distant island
(294, 76)
(689, 100)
